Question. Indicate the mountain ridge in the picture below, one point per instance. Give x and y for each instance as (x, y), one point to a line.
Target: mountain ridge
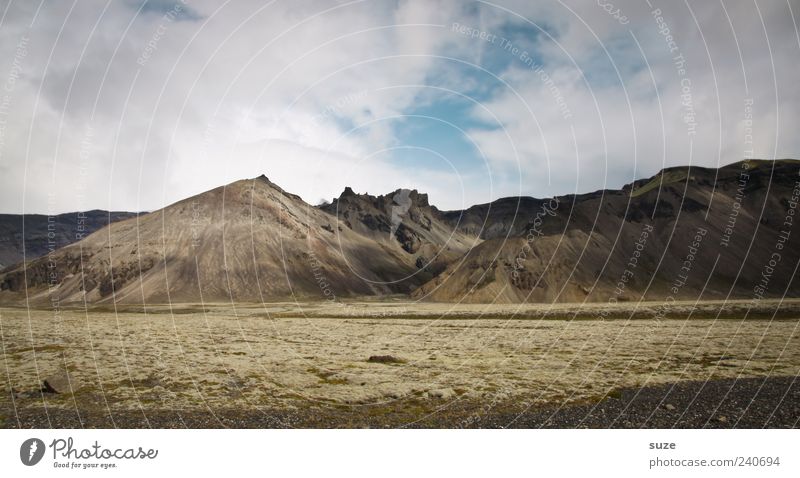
(251, 240)
(35, 229)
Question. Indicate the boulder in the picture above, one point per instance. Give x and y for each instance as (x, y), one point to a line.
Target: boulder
(385, 359)
(59, 383)
(443, 393)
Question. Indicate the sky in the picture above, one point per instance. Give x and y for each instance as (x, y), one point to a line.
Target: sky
(133, 105)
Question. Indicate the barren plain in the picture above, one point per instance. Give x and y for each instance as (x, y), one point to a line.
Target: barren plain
(376, 358)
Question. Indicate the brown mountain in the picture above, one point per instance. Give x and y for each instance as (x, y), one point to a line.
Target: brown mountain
(684, 233)
(246, 241)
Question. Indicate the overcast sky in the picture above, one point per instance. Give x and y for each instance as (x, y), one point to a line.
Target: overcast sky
(132, 105)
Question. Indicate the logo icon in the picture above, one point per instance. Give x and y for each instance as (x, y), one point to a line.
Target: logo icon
(31, 451)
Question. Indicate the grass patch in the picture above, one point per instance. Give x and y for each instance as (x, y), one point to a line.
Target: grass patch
(713, 361)
(327, 377)
(661, 180)
(36, 348)
(404, 411)
(647, 312)
(616, 394)
(128, 309)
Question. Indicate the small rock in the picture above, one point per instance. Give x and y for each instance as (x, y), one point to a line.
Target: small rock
(59, 383)
(443, 393)
(385, 359)
(236, 384)
(669, 407)
(722, 418)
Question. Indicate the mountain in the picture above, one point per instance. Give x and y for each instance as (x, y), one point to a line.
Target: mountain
(682, 233)
(26, 236)
(247, 241)
(687, 231)
(428, 240)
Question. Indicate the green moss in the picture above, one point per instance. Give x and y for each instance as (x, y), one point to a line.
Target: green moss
(615, 394)
(707, 360)
(325, 376)
(661, 180)
(39, 349)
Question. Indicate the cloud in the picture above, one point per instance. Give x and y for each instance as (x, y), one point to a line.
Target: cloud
(628, 101)
(126, 106)
(175, 10)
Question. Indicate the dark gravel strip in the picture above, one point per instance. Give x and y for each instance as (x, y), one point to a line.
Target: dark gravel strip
(746, 403)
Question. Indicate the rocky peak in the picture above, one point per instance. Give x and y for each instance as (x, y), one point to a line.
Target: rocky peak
(401, 195)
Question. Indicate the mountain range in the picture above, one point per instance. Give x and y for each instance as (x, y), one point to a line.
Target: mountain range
(683, 234)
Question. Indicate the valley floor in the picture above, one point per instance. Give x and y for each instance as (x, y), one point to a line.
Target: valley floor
(309, 365)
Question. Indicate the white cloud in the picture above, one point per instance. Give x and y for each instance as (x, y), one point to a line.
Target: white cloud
(243, 89)
(622, 114)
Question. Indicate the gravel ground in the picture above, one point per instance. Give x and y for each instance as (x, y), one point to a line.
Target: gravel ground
(747, 403)
(728, 403)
